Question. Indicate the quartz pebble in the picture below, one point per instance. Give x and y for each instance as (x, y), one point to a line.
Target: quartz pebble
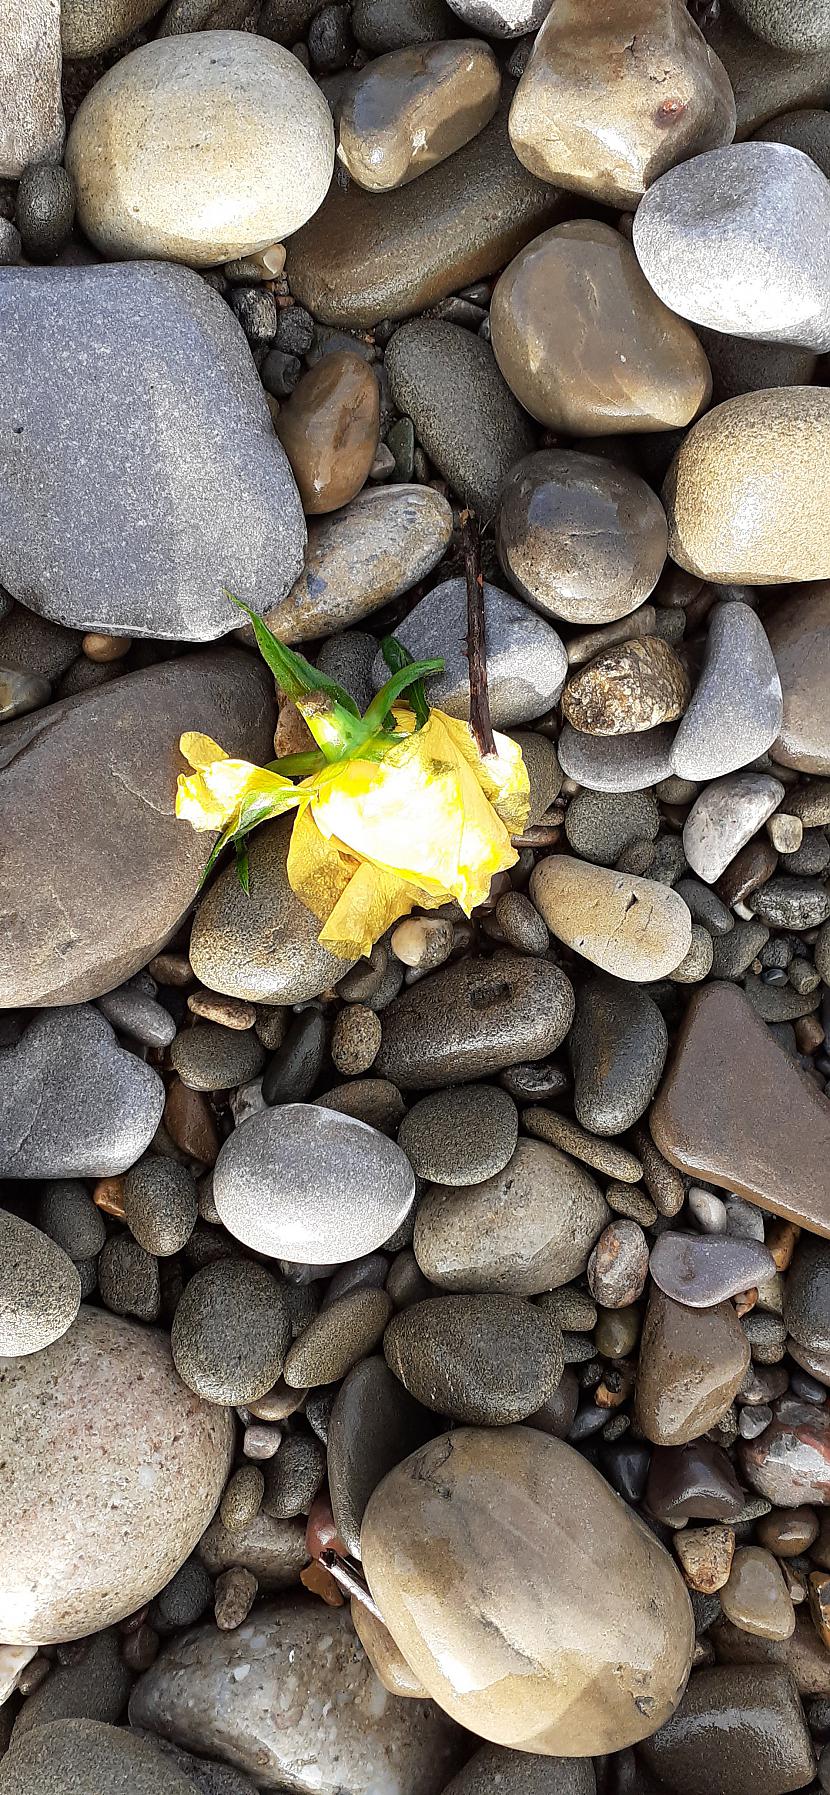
(634, 687)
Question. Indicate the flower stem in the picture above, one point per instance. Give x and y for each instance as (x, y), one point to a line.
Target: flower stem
(480, 723)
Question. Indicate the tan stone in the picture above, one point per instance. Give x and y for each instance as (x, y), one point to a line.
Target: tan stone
(799, 636)
(200, 148)
(755, 1598)
(692, 1362)
(705, 1555)
(534, 1606)
(329, 430)
(818, 1595)
(113, 1469)
(388, 1663)
(616, 93)
(585, 343)
(631, 927)
(627, 689)
(408, 110)
(748, 493)
(90, 26)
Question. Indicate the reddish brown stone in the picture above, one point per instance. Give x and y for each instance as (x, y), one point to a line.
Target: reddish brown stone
(750, 868)
(329, 430)
(189, 1121)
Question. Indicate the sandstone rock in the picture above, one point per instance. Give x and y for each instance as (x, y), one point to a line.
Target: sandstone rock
(799, 636)
(88, 27)
(31, 110)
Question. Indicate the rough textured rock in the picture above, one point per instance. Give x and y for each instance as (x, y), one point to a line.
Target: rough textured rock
(800, 32)
(331, 1730)
(747, 493)
(88, 26)
(200, 148)
(521, 1773)
(799, 636)
(471, 1018)
(401, 115)
(195, 497)
(631, 927)
(31, 110)
(128, 1465)
(85, 1757)
(764, 82)
(73, 1102)
(526, 660)
(627, 689)
(806, 129)
(484, 1358)
(471, 1517)
(85, 907)
(40, 1290)
(365, 256)
(671, 98)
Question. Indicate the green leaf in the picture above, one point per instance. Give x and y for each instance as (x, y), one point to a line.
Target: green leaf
(406, 677)
(298, 766)
(295, 674)
(396, 656)
(243, 871)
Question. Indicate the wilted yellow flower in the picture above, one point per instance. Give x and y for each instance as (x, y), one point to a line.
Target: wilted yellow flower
(427, 820)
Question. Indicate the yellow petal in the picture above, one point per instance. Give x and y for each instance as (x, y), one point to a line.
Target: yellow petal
(317, 872)
(200, 750)
(503, 776)
(215, 795)
(373, 899)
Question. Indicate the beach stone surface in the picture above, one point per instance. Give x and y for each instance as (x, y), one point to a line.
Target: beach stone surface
(73, 1102)
(470, 1019)
(40, 1289)
(31, 107)
(76, 1757)
(414, 107)
(799, 637)
(617, 1047)
(526, 659)
(630, 927)
(737, 707)
(766, 1739)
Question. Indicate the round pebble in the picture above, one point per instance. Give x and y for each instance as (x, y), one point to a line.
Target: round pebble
(355, 1040)
(460, 1136)
(160, 1205)
(231, 1332)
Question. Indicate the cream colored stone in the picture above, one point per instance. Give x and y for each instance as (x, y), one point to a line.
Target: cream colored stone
(631, 927)
(90, 26)
(705, 1555)
(31, 110)
(527, 1597)
(388, 1663)
(200, 148)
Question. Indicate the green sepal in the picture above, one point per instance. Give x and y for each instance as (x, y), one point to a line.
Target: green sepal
(298, 766)
(294, 674)
(243, 871)
(396, 656)
(406, 677)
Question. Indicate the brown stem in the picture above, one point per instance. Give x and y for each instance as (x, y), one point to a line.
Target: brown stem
(476, 637)
(349, 1581)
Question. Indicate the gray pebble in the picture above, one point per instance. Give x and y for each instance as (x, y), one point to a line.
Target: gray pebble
(242, 1498)
(371, 1100)
(231, 1332)
(87, 1757)
(600, 824)
(44, 210)
(697, 962)
(185, 1598)
(732, 954)
(484, 1360)
(807, 1298)
(133, 1012)
(571, 1308)
(374, 1425)
(72, 1102)
(293, 1478)
(95, 1687)
(736, 707)
(496, 1770)
(11, 248)
(128, 1279)
(461, 1135)
(623, 763)
(274, 1551)
(778, 1002)
(812, 858)
(338, 1338)
(521, 925)
(293, 1072)
(617, 1046)
(787, 903)
(473, 1017)
(355, 1039)
(208, 1057)
(526, 660)
(543, 770)
(160, 1204)
(68, 1215)
(348, 659)
(706, 906)
(40, 1289)
(701, 1270)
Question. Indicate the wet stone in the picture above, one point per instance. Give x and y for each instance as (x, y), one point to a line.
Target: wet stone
(617, 1046)
(636, 686)
(789, 903)
(618, 1266)
(293, 1072)
(790, 1462)
(208, 1057)
(701, 1271)
(608, 1157)
(755, 1597)
(405, 112)
(338, 1338)
(691, 1364)
(705, 1555)
(737, 707)
(695, 1482)
(374, 1425)
(329, 430)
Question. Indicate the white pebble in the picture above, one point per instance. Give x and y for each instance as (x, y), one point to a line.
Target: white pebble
(709, 1212)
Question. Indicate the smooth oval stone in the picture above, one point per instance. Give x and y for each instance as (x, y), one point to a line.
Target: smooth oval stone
(462, 1135)
(485, 1359)
(741, 1729)
(40, 1289)
(617, 1047)
(799, 636)
(692, 1362)
(801, 32)
(737, 707)
(457, 1552)
(406, 111)
(725, 817)
(585, 343)
(627, 763)
(526, 659)
(755, 1596)
(365, 256)
(447, 380)
(82, 1757)
(693, 1483)
(85, 907)
(501, 18)
(387, 539)
(806, 129)
(807, 1295)
(330, 1730)
(629, 688)
(329, 430)
(738, 239)
(579, 536)
(274, 1551)
(200, 148)
(700, 1270)
(735, 1110)
(471, 1018)
(529, 1228)
(261, 945)
(73, 1102)
(311, 1185)
(789, 1463)
(374, 1424)
(494, 1767)
(348, 1328)
(388, 1664)
(671, 98)
(631, 927)
(102, 1436)
(747, 493)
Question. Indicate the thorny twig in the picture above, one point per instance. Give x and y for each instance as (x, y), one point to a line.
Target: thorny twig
(476, 635)
(349, 1580)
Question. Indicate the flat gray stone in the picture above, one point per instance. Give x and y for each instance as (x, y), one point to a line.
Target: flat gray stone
(701, 1270)
(73, 1103)
(40, 1290)
(460, 1135)
(447, 380)
(311, 1185)
(739, 239)
(330, 1731)
(725, 817)
(472, 1018)
(526, 660)
(196, 497)
(86, 1757)
(617, 1046)
(737, 707)
(622, 763)
(31, 110)
(85, 905)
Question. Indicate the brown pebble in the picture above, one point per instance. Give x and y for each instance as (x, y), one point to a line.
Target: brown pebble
(618, 1266)
(755, 1596)
(818, 1596)
(329, 430)
(355, 1039)
(229, 1012)
(108, 1194)
(751, 867)
(407, 110)
(605, 1156)
(189, 1120)
(788, 1531)
(320, 1582)
(101, 648)
(235, 1594)
(630, 1200)
(705, 1555)
(628, 689)
(388, 1663)
(171, 969)
(691, 1365)
(809, 1034)
(140, 1648)
(242, 1498)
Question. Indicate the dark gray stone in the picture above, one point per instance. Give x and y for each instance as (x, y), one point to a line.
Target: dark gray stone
(195, 498)
(486, 1361)
(808, 129)
(461, 1135)
(293, 1478)
(45, 210)
(73, 1104)
(617, 1046)
(160, 1204)
(526, 660)
(95, 1688)
(788, 903)
(802, 30)
(184, 1599)
(132, 1011)
(807, 1294)
(374, 1425)
(346, 1329)
(68, 1215)
(600, 825)
(382, 25)
(736, 707)
(494, 1770)
(472, 1018)
(128, 1279)
(87, 1757)
(231, 1331)
(209, 1057)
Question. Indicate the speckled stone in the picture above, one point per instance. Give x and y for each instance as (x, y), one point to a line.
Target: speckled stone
(208, 1057)
(262, 947)
(799, 634)
(66, 1212)
(600, 825)
(87, 27)
(412, 108)
(624, 763)
(617, 1047)
(40, 1290)
(629, 688)
(727, 240)
(195, 1694)
(725, 817)
(585, 343)
(97, 1425)
(494, 1767)
(294, 1476)
(342, 1334)
(387, 539)
(527, 1229)
(460, 1136)
(761, 456)
(806, 129)
(160, 1204)
(691, 1364)
(30, 83)
(471, 1018)
(791, 903)
(526, 659)
(672, 98)
(77, 1757)
(608, 1157)
(447, 380)
(273, 1551)
(483, 1359)
(73, 1102)
(800, 33)
(374, 1424)
(740, 1728)
(472, 1512)
(630, 927)
(231, 1331)
(305, 1184)
(128, 1279)
(241, 152)
(701, 1270)
(543, 770)
(737, 706)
